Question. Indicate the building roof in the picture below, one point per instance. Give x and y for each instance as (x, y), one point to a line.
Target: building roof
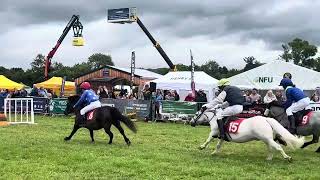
(140, 72)
(143, 73)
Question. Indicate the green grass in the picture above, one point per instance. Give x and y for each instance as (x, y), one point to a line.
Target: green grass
(158, 151)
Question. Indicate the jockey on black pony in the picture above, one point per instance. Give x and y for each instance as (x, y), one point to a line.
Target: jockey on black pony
(231, 101)
(89, 100)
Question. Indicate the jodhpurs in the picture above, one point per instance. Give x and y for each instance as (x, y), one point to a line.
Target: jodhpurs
(90, 107)
(298, 106)
(229, 111)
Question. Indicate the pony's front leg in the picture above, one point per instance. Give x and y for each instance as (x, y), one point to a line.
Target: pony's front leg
(218, 147)
(270, 153)
(75, 129)
(205, 144)
(91, 135)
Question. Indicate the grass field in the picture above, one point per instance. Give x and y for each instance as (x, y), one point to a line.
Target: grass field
(158, 151)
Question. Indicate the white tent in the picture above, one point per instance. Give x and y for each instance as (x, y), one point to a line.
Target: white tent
(181, 81)
(268, 76)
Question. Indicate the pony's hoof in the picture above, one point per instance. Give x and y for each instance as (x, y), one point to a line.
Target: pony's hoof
(202, 147)
(110, 142)
(214, 153)
(289, 159)
(269, 159)
(128, 143)
(67, 138)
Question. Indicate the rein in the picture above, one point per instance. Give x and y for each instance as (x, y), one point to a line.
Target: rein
(209, 118)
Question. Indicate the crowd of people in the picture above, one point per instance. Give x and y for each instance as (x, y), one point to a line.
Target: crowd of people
(21, 93)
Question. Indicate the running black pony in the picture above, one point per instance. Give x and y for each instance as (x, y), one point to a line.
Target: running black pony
(102, 117)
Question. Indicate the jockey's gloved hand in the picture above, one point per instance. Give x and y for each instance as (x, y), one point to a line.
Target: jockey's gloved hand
(217, 106)
(203, 108)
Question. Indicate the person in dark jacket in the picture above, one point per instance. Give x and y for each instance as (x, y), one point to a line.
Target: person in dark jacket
(229, 102)
(296, 101)
(201, 98)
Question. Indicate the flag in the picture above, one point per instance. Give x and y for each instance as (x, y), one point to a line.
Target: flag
(193, 88)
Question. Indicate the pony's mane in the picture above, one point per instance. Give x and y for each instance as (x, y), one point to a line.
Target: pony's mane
(73, 98)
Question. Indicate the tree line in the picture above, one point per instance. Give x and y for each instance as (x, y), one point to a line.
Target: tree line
(298, 51)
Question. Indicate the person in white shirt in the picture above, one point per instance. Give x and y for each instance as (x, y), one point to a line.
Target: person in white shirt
(269, 97)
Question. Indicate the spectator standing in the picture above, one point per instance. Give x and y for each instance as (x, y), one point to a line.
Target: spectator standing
(34, 91)
(102, 92)
(4, 93)
(176, 95)
(279, 96)
(189, 97)
(169, 96)
(269, 97)
(157, 103)
(316, 95)
(42, 92)
(147, 92)
(15, 94)
(254, 96)
(23, 93)
(201, 98)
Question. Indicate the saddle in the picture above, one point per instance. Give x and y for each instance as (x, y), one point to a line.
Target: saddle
(302, 117)
(90, 115)
(231, 126)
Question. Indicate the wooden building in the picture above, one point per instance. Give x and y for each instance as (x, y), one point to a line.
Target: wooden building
(110, 76)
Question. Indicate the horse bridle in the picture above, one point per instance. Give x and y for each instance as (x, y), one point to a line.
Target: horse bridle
(210, 119)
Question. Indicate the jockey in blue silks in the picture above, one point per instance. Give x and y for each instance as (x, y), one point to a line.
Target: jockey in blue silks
(296, 101)
(89, 99)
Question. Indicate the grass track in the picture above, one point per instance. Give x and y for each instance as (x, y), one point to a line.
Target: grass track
(158, 151)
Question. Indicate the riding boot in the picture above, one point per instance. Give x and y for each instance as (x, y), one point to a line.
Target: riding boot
(82, 121)
(293, 128)
(221, 128)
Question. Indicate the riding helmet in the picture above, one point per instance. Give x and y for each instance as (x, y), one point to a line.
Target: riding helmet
(85, 85)
(223, 82)
(287, 75)
(285, 82)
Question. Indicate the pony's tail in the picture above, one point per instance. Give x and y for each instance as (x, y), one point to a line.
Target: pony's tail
(292, 141)
(130, 124)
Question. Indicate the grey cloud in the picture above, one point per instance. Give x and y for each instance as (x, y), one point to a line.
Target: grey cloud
(271, 21)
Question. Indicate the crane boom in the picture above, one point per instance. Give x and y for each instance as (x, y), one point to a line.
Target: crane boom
(77, 30)
(156, 44)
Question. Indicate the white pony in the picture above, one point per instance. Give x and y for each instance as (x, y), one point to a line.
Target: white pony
(255, 128)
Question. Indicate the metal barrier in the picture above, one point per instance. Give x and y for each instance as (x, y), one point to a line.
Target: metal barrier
(19, 107)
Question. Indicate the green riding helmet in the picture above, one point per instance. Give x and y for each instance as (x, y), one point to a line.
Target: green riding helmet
(223, 82)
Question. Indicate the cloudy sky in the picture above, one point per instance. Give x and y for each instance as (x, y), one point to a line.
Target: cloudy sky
(225, 31)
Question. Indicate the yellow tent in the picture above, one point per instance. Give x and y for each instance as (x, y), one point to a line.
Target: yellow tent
(6, 83)
(55, 84)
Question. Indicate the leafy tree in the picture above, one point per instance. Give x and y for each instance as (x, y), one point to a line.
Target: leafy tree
(286, 56)
(99, 60)
(300, 52)
(251, 63)
(38, 63)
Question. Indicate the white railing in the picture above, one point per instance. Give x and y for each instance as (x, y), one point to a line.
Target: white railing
(19, 107)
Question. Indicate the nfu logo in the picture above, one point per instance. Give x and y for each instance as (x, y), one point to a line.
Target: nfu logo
(263, 79)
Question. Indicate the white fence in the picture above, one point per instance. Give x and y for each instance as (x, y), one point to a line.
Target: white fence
(19, 110)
